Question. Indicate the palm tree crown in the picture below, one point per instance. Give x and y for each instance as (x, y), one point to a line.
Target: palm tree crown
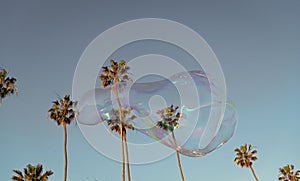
(245, 156)
(117, 72)
(62, 110)
(113, 121)
(169, 118)
(7, 85)
(32, 173)
(287, 174)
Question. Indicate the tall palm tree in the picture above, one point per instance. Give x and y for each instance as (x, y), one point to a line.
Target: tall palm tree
(32, 173)
(111, 76)
(245, 156)
(62, 112)
(113, 121)
(7, 85)
(169, 122)
(287, 173)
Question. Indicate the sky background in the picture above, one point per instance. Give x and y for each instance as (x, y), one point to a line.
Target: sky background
(257, 44)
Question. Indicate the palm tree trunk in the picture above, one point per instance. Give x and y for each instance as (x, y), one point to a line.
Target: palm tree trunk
(127, 157)
(122, 151)
(65, 151)
(115, 90)
(252, 170)
(178, 157)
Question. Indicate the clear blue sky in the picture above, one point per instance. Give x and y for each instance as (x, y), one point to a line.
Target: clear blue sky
(257, 44)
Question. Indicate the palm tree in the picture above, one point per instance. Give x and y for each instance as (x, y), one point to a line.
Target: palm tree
(117, 72)
(62, 112)
(32, 173)
(245, 156)
(113, 121)
(169, 122)
(287, 173)
(7, 85)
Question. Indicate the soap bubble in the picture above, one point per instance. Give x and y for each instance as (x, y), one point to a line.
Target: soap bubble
(192, 145)
(207, 123)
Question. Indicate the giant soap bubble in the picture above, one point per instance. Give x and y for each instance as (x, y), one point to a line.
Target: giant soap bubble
(199, 133)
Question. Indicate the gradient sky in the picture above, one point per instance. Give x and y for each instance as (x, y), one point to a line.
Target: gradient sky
(257, 44)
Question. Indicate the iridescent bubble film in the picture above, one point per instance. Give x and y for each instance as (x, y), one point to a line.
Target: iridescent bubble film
(207, 121)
